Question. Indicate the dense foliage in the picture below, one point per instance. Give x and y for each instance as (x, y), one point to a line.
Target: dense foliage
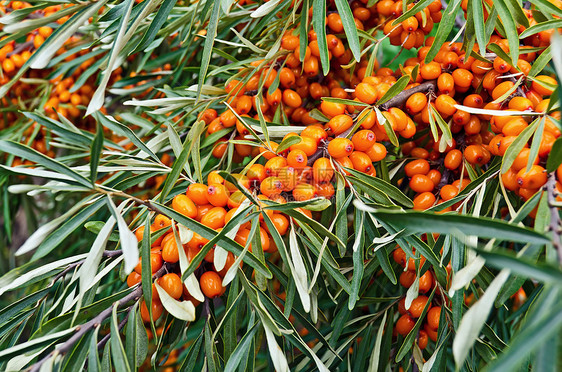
(287, 185)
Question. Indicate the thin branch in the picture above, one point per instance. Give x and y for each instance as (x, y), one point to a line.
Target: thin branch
(20, 47)
(554, 225)
(106, 338)
(400, 99)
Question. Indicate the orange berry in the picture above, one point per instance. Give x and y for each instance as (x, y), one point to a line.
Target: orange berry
(340, 123)
(172, 284)
(540, 89)
(366, 93)
(157, 310)
(361, 161)
(133, 279)
(424, 201)
(421, 183)
(417, 306)
(217, 194)
(433, 317)
(533, 179)
(197, 192)
(407, 278)
(322, 170)
(405, 324)
(418, 166)
(211, 284)
(364, 139)
(184, 205)
(377, 152)
(297, 159)
(340, 147)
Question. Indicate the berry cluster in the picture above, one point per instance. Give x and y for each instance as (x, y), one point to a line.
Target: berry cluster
(410, 315)
(213, 205)
(411, 32)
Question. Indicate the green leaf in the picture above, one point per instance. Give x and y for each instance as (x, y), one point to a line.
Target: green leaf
(535, 144)
(463, 225)
(387, 127)
(18, 149)
(547, 7)
(141, 340)
(177, 167)
(445, 26)
(189, 363)
(61, 234)
(516, 146)
(242, 349)
(419, 6)
(555, 157)
(479, 27)
(518, 13)
(146, 269)
(20, 305)
(529, 339)
(390, 190)
(540, 63)
(95, 152)
(509, 26)
(155, 25)
(523, 267)
(131, 336)
(125, 131)
(349, 27)
(93, 359)
(396, 88)
(117, 352)
(344, 101)
(539, 27)
(358, 259)
(210, 349)
(209, 41)
(288, 142)
(76, 358)
(319, 23)
(96, 226)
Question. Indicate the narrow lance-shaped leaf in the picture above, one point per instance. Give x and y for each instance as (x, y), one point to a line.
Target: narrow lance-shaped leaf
(319, 23)
(349, 27)
(209, 41)
(95, 153)
(420, 222)
(129, 243)
(117, 351)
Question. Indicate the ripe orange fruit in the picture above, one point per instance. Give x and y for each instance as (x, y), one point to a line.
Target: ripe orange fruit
(172, 284)
(211, 284)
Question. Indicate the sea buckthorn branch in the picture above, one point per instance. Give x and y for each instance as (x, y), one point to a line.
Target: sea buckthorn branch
(554, 225)
(81, 330)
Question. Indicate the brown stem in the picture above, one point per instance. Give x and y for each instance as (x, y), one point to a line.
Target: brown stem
(400, 99)
(519, 92)
(20, 47)
(106, 338)
(554, 225)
